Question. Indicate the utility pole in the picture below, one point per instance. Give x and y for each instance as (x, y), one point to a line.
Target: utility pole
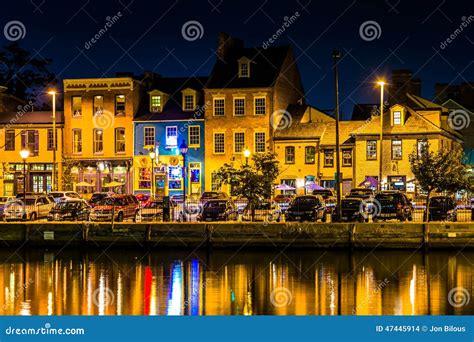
(336, 55)
(54, 177)
(381, 84)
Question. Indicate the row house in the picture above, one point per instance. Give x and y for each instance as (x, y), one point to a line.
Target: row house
(31, 130)
(406, 127)
(171, 113)
(306, 150)
(246, 86)
(98, 119)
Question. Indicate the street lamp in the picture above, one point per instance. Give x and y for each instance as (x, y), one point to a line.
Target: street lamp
(336, 55)
(24, 155)
(183, 149)
(53, 94)
(246, 155)
(152, 157)
(381, 84)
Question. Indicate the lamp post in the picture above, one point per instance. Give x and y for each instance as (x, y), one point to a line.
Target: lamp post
(183, 149)
(246, 155)
(24, 155)
(381, 84)
(54, 180)
(336, 55)
(152, 157)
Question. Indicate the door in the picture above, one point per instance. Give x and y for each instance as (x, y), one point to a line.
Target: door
(37, 183)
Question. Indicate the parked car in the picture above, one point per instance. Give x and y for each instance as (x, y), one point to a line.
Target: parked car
(64, 195)
(442, 208)
(306, 208)
(283, 201)
(118, 207)
(266, 211)
(391, 204)
(152, 211)
(3, 201)
(97, 197)
(70, 210)
(352, 210)
(31, 208)
(218, 210)
(362, 193)
(208, 195)
(324, 193)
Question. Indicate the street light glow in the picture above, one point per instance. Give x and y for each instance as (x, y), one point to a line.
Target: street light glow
(24, 154)
(152, 155)
(52, 92)
(381, 83)
(247, 153)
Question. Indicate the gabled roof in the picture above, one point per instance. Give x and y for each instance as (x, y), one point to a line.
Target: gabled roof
(172, 110)
(30, 118)
(346, 129)
(265, 67)
(422, 103)
(451, 104)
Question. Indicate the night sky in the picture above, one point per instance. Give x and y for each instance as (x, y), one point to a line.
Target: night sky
(148, 36)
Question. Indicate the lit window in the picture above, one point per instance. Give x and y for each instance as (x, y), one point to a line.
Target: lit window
(289, 154)
(98, 140)
(259, 142)
(423, 144)
(260, 106)
(219, 143)
(397, 118)
(194, 136)
(77, 140)
(76, 105)
(239, 142)
(155, 103)
(149, 136)
(144, 178)
(310, 152)
(189, 103)
(244, 70)
(171, 136)
(396, 149)
(219, 107)
(120, 105)
(371, 149)
(120, 140)
(347, 157)
(239, 106)
(98, 104)
(215, 182)
(328, 158)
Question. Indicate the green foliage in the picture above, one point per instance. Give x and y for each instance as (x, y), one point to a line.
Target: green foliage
(253, 181)
(67, 177)
(25, 75)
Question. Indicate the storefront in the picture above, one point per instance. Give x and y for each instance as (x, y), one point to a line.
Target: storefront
(38, 178)
(396, 183)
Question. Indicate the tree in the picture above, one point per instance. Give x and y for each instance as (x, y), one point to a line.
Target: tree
(67, 177)
(438, 171)
(252, 181)
(23, 74)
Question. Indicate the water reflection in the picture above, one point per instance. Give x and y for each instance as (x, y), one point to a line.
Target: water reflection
(176, 283)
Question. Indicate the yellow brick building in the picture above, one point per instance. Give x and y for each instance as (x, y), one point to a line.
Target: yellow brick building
(98, 119)
(32, 130)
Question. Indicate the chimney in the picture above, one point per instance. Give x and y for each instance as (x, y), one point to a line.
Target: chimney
(403, 83)
(225, 44)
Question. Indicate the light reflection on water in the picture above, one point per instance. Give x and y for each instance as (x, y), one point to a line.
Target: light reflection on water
(131, 282)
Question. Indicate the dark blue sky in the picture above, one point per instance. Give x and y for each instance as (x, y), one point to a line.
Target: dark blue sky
(148, 37)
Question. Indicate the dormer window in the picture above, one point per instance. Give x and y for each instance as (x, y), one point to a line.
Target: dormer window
(189, 99)
(244, 67)
(155, 103)
(397, 117)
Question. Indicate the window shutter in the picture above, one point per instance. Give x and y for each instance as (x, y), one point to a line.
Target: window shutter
(36, 143)
(23, 139)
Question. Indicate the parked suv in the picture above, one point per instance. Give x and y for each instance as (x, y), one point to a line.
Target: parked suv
(362, 193)
(31, 208)
(306, 208)
(392, 205)
(442, 208)
(97, 197)
(353, 209)
(118, 207)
